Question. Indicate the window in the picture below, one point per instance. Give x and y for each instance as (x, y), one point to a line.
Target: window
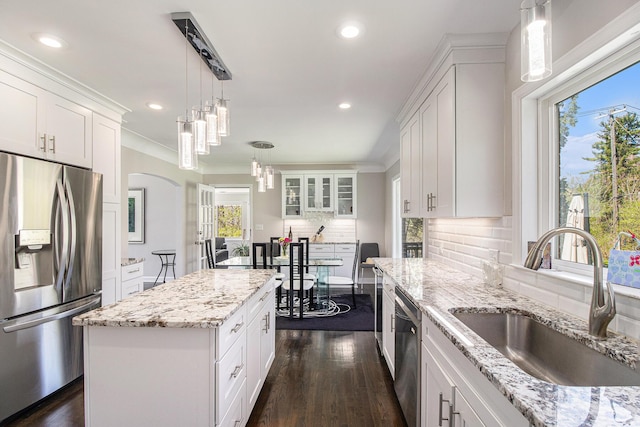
(412, 237)
(229, 220)
(598, 185)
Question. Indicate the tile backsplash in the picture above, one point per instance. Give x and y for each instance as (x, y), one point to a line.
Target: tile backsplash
(335, 230)
(466, 243)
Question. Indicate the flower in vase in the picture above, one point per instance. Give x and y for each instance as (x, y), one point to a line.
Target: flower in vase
(284, 243)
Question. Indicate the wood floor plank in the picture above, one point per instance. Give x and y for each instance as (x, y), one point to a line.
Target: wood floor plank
(327, 378)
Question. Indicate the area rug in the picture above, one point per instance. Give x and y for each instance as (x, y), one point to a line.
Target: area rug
(360, 318)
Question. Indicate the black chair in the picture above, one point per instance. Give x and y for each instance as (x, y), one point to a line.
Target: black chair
(274, 247)
(342, 280)
(367, 250)
(296, 280)
(222, 253)
(254, 254)
(209, 253)
(308, 276)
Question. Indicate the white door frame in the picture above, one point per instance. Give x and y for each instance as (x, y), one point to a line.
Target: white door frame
(396, 218)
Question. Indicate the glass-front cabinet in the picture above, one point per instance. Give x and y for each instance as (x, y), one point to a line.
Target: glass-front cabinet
(319, 192)
(345, 195)
(327, 191)
(292, 196)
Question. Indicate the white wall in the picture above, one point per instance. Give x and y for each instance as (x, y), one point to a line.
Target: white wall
(163, 201)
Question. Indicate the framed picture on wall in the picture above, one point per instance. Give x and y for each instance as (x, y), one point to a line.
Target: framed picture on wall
(135, 216)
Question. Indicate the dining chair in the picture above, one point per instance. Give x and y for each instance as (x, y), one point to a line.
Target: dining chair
(274, 251)
(209, 252)
(367, 250)
(263, 253)
(296, 280)
(343, 280)
(308, 275)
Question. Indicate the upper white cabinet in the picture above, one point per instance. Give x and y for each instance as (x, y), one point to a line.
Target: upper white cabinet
(345, 195)
(319, 191)
(454, 130)
(106, 156)
(292, 196)
(41, 124)
(410, 149)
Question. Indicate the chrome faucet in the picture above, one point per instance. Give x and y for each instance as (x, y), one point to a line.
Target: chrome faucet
(601, 311)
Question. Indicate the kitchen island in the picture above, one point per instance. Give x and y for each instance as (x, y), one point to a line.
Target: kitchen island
(487, 387)
(194, 351)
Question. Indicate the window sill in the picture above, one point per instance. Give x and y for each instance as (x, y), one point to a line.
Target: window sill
(583, 280)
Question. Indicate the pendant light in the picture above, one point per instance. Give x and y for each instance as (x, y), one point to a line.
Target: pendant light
(199, 123)
(535, 29)
(187, 157)
(264, 174)
(223, 113)
(211, 117)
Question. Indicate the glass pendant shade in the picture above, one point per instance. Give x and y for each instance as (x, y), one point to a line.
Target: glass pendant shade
(269, 177)
(261, 184)
(187, 157)
(258, 171)
(212, 125)
(535, 27)
(254, 167)
(200, 132)
(223, 117)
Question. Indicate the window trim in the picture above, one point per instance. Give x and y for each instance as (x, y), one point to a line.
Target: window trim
(534, 134)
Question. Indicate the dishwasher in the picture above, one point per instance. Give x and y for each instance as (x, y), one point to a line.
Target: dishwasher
(407, 358)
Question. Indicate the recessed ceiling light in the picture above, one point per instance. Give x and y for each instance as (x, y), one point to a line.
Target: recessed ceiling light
(50, 40)
(350, 30)
(154, 106)
(344, 106)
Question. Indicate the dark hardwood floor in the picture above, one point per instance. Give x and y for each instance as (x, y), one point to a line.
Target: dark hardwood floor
(318, 378)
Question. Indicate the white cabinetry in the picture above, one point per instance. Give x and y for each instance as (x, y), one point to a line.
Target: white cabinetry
(454, 130)
(132, 280)
(410, 169)
(454, 392)
(345, 195)
(292, 196)
(319, 191)
(344, 251)
(260, 341)
(389, 323)
(38, 123)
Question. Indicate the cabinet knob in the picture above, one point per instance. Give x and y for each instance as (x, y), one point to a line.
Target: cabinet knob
(52, 139)
(43, 147)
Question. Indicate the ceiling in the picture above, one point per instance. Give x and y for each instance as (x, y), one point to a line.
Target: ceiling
(290, 69)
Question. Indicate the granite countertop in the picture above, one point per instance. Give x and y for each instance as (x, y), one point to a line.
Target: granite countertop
(129, 261)
(203, 299)
(444, 289)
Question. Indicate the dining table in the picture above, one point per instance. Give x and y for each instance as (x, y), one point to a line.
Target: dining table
(322, 271)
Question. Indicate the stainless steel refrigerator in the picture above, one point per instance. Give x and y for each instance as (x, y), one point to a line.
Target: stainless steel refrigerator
(50, 271)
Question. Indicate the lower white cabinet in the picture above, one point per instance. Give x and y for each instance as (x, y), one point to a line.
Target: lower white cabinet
(389, 323)
(132, 280)
(345, 251)
(260, 342)
(454, 393)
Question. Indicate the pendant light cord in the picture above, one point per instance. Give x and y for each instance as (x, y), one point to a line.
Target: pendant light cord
(186, 70)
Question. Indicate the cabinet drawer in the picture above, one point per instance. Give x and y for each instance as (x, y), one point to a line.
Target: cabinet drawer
(231, 372)
(131, 287)
(320, 249)
(345, 249)
(257, 301)
(237, 415)
(132, 271)
(230, 330)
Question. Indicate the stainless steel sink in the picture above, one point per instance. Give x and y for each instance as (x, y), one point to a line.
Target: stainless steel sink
(547, 354)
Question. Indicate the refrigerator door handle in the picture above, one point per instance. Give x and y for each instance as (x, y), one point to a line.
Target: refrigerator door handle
(18, 326)
(61, 256)
(71, 235)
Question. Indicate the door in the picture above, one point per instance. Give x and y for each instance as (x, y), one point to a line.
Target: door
(437, 392)
(206, 221)
(318, 194)
(84, 196)
(292, 196)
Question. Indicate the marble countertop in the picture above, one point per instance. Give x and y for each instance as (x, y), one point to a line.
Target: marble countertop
(203, 299)
(444, 289)
(129, 261)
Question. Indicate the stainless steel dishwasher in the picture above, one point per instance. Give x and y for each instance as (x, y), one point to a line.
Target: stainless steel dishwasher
(407, 363)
